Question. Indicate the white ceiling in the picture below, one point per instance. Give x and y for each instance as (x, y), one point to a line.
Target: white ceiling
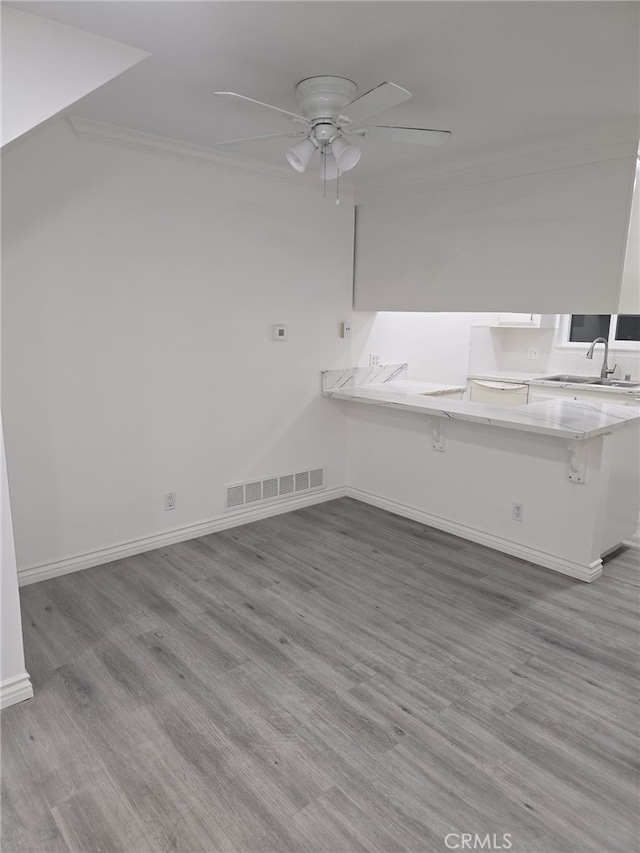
(505, 77)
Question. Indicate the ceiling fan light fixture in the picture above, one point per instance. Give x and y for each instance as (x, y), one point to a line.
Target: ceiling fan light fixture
(346, 154)
(300, 154)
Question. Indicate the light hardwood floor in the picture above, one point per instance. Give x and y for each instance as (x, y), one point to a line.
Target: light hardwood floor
(334, 679)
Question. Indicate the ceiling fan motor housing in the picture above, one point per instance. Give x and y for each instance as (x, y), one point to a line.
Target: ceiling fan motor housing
(324, 97)
(324, 132)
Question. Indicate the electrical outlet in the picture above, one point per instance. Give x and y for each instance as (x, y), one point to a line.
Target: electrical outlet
(345, 330)
(518, 512)
(374, 359)
(169, 500)
(533, 353)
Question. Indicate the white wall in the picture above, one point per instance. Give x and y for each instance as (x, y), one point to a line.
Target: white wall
(138, 293)
(436, 346)
(15, 684)
(46, 66)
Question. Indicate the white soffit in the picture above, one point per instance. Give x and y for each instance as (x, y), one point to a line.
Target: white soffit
(46, 66)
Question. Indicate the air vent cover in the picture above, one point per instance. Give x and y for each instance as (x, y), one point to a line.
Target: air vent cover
(302, 481)
(316, 478)
(240, 495)
(253, 492)
(286, 484)
(235, 496)
(270, 488)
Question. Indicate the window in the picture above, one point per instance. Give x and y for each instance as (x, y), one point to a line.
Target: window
(622, 331)
(586, 327)
(628, 327)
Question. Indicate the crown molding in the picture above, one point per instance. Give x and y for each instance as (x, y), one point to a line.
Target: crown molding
(90, 130)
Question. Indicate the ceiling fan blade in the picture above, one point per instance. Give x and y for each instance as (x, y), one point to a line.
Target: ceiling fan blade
(412, 135)
(376, 100)
(233, 96)
(256, 138)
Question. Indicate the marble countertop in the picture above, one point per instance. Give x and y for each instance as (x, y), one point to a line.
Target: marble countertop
(564, 418)
(634, 391)
(538, 379)
(413, 387)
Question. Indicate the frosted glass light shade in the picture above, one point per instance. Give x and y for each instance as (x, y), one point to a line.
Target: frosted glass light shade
(346, 154)
(300, 154)
(329, 168)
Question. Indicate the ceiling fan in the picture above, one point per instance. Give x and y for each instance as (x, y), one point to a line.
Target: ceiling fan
(330, 114)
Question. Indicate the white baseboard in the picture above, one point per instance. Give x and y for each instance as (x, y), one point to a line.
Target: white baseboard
(15, 690)
(581, 572)
(44, 571)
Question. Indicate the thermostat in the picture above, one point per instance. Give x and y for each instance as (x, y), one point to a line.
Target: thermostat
(279, 333)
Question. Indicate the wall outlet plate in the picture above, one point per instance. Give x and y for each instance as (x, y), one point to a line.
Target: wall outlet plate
(278, 332)
(345, 330)
(169, 501)
(374, 359)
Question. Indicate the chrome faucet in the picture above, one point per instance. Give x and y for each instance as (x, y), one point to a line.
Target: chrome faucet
(606, 371)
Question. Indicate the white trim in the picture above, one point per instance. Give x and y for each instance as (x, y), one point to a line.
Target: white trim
(15, 690)
(89, 130)
(581, 572)
(231, 518)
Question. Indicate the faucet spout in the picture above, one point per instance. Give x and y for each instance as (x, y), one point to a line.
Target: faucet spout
(605, 366)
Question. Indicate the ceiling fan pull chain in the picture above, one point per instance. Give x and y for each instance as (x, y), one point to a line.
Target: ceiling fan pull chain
(324, 174)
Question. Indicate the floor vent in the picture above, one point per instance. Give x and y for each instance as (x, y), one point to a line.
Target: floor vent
(272, 488)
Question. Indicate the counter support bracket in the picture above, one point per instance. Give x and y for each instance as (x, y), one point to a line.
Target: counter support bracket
(439, 434)
(578, 455)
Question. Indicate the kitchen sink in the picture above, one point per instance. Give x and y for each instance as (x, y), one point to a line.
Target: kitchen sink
(591, 380)
(566, 377)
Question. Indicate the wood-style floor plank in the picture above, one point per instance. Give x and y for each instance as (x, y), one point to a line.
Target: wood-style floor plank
(334, 680)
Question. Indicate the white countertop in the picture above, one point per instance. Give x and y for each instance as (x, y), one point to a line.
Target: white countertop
(409, 386)
(569, 419)
(634, 391)
(538, 379)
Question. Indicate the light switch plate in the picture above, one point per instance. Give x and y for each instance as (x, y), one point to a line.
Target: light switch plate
(278, 333)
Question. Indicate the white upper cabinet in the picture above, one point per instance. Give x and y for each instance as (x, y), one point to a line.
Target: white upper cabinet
(552, 239)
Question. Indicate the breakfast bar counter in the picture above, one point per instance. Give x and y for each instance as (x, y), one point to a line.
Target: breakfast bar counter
(555, 482)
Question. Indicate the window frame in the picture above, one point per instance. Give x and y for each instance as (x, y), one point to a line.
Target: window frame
(564, 328)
